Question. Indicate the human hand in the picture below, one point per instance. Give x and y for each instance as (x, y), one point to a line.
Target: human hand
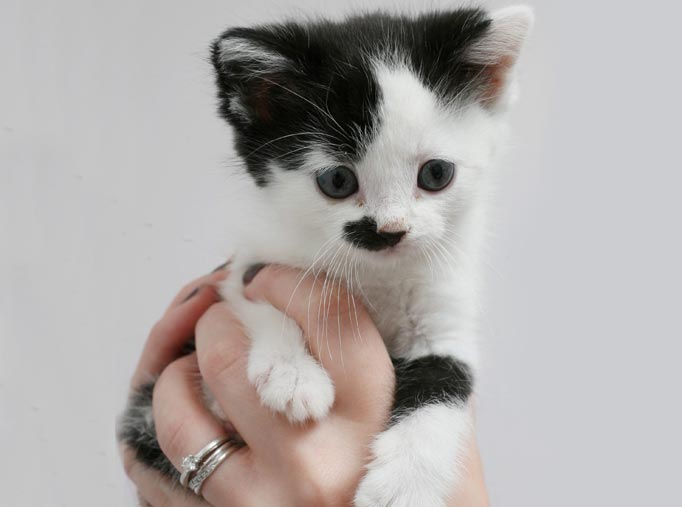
(314, 464)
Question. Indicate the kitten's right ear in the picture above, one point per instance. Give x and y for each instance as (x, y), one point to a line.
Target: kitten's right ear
(255, 74)
(498, 51)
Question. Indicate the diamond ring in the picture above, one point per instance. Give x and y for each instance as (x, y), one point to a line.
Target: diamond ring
(191, 462)
(208, 466)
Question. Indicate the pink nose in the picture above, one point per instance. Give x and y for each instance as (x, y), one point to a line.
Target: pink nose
(393, 227)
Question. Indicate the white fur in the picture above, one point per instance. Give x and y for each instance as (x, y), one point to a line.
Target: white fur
(238, 108)
(248, 53)
(503, 45)
(422, 294)
(286, 376)
(510, 27)
(417, 460)
(431, 305)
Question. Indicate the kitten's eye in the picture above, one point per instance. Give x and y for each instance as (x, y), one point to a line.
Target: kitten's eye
(435, 175)
(337, 182)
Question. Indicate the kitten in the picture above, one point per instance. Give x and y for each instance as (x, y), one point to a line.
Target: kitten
(371, 143)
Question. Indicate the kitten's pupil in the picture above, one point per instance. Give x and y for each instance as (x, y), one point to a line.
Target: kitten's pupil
(437, 172)
(338, 180)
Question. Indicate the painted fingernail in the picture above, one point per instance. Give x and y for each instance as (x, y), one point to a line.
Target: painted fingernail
(191, 294)
(251, 273)
(221, 267)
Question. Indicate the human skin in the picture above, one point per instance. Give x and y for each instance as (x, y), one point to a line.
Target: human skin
(314, 464)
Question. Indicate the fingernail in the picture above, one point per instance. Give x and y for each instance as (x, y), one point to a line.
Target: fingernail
(251, 273)
(192, 294)
(221, 267)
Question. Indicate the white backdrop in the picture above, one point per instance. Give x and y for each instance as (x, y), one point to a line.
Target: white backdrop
(112, 173)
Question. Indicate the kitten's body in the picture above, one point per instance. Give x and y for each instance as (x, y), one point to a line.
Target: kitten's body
(375, 94)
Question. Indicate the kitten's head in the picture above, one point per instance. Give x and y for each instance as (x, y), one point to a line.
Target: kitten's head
(377, 131)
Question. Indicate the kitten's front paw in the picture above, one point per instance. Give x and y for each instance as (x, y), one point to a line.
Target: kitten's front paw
(415, 460)
(296, 386)
(390, 487)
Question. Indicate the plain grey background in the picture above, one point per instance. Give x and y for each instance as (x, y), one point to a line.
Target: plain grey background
(112, 162)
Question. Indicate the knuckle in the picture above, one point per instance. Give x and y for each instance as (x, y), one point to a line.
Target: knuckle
(320, 489)
(320, 484)
(217, 362)
(219, 357)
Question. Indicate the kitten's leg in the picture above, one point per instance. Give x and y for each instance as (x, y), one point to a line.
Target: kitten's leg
(287, 377)
(416, 460)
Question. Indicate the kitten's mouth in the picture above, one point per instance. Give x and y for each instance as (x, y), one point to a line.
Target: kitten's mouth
(384, 252)
(380, 247)
(364, 234)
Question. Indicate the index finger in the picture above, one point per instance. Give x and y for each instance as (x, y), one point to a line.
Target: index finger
(169, 335)
(336, 325)
(214, 278)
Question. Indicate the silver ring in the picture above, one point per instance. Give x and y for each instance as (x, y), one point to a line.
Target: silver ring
(191, 462)
(209, 465)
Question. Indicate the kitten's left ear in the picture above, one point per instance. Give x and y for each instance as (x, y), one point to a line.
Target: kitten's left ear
(498, 50)
(257, 72)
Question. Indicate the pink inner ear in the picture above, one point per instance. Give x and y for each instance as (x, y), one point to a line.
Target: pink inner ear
(496, 79)
(259, 100)
(271, 96)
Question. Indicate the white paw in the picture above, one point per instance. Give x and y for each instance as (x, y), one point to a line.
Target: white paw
(286, 376)
(416, 460)
(387, 486)
(295, 386)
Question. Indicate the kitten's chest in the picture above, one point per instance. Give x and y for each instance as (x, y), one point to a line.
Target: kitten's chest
(393, 310)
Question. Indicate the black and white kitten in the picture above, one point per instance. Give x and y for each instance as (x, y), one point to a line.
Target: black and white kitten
(371, 143)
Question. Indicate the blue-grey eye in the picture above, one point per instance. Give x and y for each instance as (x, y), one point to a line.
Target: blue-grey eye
(435, 175)
(337, 182)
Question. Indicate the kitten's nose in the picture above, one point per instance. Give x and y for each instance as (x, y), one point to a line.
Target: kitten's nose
(394, 225)
(391, 238)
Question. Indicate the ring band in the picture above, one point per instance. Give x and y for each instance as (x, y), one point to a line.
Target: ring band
(210, 464)
(191, 462)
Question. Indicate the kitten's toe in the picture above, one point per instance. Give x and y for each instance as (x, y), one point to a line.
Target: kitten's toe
(297, 387)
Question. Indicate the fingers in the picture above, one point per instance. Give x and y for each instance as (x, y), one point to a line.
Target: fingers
(184, 425)
(155, 489)
(170, 334)
(222, 350)
(214, 278)
(339, 330)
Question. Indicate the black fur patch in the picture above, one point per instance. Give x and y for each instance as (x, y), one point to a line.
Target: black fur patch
(363, 234)
(326, 97)
(137, 431)
(326, 93)
(428, 380)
